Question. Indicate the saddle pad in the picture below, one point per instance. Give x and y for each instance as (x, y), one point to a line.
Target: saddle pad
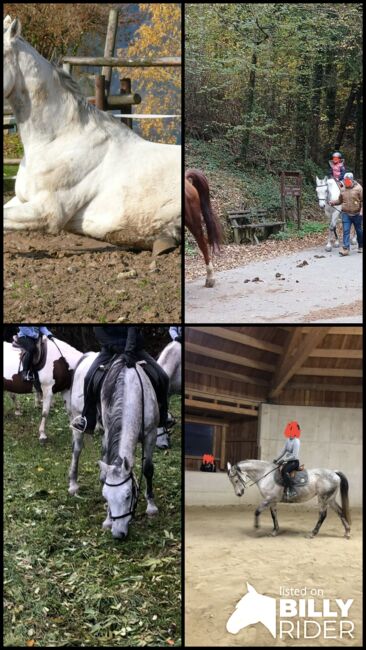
(301, 478)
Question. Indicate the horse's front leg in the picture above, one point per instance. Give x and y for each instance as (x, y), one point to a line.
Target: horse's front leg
(44, 213)
(276, 527)
(77, 445)
(148, 470)
(258, 511)
(46, 405)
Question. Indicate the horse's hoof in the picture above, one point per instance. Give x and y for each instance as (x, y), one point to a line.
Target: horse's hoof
(328, 248)
(43, 440)
(274, 533)
(73, 490)
(347, 535)
(163, 245)
(336, 245)
(151, 511)
(210, 283)
(309, 536)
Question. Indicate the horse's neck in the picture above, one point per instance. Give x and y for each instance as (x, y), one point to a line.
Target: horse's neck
(253, 468)
(40, 104)
(333, 190)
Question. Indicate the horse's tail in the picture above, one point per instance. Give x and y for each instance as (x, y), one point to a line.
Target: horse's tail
(344, 496)
(213, 226)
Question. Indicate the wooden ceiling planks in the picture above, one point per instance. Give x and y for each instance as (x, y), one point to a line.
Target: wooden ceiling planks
(242, 360)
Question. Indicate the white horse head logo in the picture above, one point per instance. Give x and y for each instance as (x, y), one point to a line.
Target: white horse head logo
(253, 608)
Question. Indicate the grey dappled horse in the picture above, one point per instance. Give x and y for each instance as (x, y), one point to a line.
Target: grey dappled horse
(129, 414)
(322, 483)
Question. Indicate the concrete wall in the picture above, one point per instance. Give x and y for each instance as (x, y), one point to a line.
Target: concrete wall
(206, 489)
(330, 437)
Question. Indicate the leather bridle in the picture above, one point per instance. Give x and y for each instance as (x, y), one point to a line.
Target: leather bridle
(134, 496)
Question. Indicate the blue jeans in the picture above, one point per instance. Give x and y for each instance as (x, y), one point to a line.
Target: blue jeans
(347, 220)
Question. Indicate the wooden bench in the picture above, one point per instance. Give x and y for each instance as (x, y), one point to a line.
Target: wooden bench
(248, 224)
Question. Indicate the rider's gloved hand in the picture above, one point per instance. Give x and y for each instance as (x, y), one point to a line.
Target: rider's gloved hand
(274, 460)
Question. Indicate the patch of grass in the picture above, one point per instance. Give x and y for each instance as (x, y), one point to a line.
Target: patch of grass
(66, 581)
(292, 232)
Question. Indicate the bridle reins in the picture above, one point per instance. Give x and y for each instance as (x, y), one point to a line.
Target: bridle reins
(244, 484)
(136, 488)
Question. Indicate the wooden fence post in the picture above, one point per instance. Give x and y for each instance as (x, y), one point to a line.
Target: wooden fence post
(100, 100)
(109, 46)
(125, 89)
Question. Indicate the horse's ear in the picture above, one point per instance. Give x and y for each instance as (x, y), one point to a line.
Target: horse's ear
(103, 470)
(251, 589)
(7, 22)
(15, 28)
(228, 465)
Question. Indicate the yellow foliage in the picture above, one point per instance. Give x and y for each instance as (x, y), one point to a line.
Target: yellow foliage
(159, 35)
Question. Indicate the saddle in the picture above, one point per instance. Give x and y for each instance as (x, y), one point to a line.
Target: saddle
(39, 355)
(97, 380)
(299, 477)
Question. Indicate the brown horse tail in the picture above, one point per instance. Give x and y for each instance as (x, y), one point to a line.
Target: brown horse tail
(344, 495)
(213, 226)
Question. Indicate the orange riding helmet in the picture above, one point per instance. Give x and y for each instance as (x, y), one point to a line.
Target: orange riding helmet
(292, 430)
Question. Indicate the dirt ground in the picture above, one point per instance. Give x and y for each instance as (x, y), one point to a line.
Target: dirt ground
(70, 278)
(223, 552)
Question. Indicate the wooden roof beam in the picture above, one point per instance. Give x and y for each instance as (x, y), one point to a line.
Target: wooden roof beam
(225, 374)
(295, 354)
(221, 408)
(219, 355)
(229, 334)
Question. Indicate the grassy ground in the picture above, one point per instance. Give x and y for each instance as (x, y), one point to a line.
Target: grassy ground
(66, 581)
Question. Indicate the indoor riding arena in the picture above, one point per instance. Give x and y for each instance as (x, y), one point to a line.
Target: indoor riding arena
(242, 386)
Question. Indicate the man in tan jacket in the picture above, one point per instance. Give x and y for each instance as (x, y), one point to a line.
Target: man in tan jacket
(351, 201)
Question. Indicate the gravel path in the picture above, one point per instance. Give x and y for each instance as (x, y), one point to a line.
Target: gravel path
(306, 286)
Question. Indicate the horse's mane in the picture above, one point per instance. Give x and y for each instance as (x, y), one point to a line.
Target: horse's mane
(113, 398)
(86, 110)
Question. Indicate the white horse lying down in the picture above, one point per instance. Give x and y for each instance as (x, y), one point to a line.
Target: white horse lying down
(82, 170)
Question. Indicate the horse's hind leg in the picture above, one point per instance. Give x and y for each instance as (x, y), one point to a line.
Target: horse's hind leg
(77, 445)
(322, 516)
(46, 405)
(337, 508)
(16, 403)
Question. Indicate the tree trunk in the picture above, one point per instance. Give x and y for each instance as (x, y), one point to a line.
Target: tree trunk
(358, 132)
(249, 109)
(315, 112)
(345, 117)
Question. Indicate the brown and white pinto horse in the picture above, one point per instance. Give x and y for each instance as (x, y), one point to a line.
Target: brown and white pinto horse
(197, 204)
